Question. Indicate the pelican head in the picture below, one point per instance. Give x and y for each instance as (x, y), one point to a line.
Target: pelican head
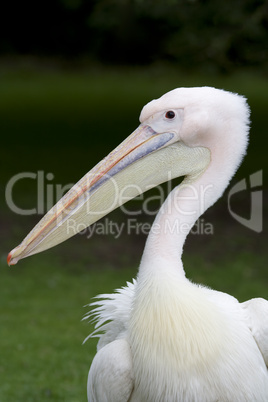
(181, 134)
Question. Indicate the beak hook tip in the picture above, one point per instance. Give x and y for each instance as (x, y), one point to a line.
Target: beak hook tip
(11, 261)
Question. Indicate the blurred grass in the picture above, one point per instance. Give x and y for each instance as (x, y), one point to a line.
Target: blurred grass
(42, 357)
(64, 122)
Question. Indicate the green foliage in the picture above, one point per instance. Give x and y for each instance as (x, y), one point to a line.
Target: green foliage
(216, 34)
(198, 34)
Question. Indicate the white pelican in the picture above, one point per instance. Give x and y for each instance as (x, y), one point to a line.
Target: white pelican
(165, 338)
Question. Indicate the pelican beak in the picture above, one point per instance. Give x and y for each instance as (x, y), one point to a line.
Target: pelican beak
(125, 173)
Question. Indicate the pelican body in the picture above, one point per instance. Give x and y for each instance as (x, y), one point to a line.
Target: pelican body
(162, 337)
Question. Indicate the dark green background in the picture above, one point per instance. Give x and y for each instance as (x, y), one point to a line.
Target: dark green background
(74, 76)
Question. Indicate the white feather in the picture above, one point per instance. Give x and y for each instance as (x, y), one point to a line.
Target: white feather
(166, 339)
(111, 314)
(257, 320)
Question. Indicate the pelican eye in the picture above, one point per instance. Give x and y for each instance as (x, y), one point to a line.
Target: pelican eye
(170, 114)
